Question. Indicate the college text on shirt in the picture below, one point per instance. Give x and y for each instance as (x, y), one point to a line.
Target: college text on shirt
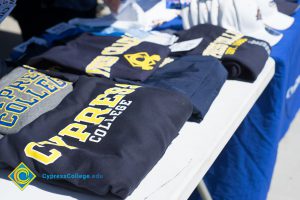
(114, 103)
(24, 93)
(102, 64)
(226, 44)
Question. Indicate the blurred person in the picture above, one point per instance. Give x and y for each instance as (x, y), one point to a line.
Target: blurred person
(35, 16)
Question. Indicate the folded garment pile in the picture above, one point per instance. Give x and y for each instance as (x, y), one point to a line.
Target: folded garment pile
(89, 98)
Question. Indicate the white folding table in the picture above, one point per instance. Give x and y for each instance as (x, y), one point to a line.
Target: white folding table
(187, 159)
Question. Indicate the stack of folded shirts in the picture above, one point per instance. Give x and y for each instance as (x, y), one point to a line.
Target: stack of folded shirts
(117, 130)
(110, 102)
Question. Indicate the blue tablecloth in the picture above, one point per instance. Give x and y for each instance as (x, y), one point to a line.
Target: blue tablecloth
(243, 171)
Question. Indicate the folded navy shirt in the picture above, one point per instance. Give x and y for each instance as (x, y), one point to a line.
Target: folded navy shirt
(199, 78)
(106, 56)
(244, 57)
(59, 73)
(117, 130)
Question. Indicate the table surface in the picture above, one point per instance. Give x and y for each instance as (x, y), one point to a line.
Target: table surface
(187, 159)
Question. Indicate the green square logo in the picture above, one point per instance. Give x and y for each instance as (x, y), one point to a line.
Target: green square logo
(22, 176)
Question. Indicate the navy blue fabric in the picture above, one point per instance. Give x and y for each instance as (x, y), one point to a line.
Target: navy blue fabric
(195, 195)
(245, 62)
(78, 54)
(125, 130)
(244, 168)
(199, 78)
(287, 7)
(60, 73)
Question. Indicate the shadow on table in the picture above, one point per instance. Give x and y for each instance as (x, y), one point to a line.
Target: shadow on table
(57, 190)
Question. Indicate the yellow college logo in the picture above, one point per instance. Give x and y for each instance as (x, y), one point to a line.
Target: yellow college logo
(142, 60)
(22, 176)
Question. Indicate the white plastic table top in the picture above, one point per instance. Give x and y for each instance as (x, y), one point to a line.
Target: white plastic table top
(187, 159)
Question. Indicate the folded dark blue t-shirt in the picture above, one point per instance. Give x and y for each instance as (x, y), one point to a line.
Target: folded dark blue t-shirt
(119, 131)
(199, 78)
(106, 56)
(244, 57)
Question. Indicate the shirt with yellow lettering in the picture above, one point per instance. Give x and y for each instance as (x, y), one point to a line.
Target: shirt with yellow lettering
(102, 127)
(106, 56)
(25, 94)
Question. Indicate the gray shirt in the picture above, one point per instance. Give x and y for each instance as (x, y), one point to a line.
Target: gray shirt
(26, 94)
